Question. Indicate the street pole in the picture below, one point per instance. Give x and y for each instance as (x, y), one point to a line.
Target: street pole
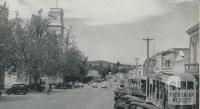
(147, 82)
(137, 59)
(137, 85)
(148, 40)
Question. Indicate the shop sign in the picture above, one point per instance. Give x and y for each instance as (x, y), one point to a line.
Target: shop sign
(182, 97)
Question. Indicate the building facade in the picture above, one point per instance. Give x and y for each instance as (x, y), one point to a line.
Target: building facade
(192, 67)
(194, 60)
(137, 80)
(159, 68)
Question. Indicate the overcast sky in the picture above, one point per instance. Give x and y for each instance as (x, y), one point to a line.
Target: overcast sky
(113, 30)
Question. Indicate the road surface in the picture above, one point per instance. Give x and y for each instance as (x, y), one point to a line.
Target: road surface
(80, 98)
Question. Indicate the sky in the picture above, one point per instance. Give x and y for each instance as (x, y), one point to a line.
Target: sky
(113, 30)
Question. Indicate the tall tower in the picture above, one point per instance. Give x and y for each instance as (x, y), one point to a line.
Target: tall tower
(57, 24)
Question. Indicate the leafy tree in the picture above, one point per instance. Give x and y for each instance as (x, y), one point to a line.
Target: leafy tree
(124, 70)
(30, 50)
(5, 41)
(72, 65)
(33, 47)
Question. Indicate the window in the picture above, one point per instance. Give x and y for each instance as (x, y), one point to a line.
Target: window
(190, 85)
(172, 87)
(183, 85)
(167, 62)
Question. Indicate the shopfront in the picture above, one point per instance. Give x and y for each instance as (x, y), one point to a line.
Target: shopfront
(181, 91)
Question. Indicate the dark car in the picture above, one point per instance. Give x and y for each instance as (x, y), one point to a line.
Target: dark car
(36, 87)
(122, 91)
(17, 89)
(64, 86)
(126, 100)
(137, 105)
(94, 85)
(139, 95)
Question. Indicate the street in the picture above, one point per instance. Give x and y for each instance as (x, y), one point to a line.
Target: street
(80, 98)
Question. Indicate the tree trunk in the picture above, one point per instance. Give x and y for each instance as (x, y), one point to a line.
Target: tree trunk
(2, 76)
(35, 83)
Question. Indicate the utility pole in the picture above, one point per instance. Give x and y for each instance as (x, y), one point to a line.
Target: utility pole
(147, 82)
(137, 75)
(137, 59)
(148, 40)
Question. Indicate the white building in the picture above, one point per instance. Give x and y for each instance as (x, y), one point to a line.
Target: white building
(57, 24)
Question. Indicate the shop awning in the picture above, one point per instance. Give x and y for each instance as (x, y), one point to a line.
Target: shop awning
(177, 78)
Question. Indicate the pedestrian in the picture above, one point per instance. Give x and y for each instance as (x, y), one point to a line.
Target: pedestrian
(48, 88)
(165, 97)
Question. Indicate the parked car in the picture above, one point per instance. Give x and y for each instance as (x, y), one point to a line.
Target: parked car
(104, 86)
(124, 101)
(81, 84)
(94, 85)
(138, 95)
(122, 91)
(137, 105)
(64, 86)
(17, 89)
(37, 87)
(76, 85)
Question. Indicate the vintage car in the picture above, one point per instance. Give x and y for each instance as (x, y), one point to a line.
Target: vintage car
(64, 86)
(126, 100)
(104, 85)
(94, 85)
(138, 105)
(17, 89)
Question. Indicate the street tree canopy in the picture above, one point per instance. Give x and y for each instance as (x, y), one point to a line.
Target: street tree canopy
(30, 50)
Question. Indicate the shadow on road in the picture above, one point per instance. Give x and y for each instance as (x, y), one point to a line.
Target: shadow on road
(13, 98)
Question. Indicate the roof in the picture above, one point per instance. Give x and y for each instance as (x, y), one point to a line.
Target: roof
(175, 50)
(193, 29)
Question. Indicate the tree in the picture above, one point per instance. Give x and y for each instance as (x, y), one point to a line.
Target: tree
(124, 70)
(5, 41)
(36, 49)
(30, 50)
(116, 68)
(74, 64)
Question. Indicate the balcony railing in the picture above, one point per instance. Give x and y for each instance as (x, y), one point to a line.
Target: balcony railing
(192, 68)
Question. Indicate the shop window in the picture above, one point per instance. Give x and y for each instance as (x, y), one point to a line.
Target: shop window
(183, 85)
(190, 85)
(172, 87)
